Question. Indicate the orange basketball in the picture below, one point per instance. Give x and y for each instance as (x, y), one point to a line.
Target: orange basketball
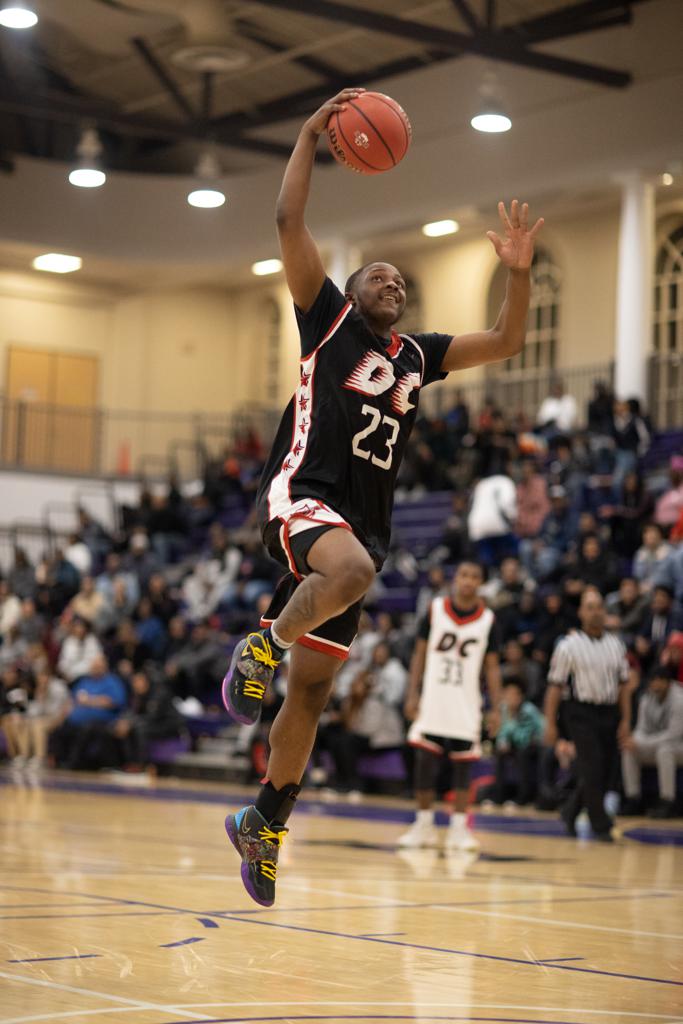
(372, 135)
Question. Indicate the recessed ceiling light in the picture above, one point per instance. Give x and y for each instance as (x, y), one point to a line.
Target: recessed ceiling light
(57, 263)
(206, 198)
(440, 227)
(87, 177)
(491, 121)
(17, 16)
(667, 179)
(264, 267)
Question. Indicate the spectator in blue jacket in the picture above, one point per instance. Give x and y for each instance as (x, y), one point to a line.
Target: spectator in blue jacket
(517, 743)
(99, 697)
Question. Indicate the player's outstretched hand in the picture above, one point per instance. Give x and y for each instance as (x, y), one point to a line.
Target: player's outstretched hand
(516, 249)
(317, 123)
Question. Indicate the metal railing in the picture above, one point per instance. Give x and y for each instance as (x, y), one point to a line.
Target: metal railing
(101, 442)
(518, 393)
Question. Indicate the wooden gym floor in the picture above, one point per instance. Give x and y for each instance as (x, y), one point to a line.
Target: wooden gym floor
(122, 903)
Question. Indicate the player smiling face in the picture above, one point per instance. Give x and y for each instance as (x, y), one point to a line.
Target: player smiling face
(378, 292)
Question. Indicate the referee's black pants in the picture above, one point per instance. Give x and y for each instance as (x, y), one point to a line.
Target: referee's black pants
(593, 729)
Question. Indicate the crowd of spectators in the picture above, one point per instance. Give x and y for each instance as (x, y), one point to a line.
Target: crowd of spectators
(112, 641)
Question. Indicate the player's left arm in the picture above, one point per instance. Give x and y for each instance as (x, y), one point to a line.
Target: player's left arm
(494, 688)
(506, 337)
(417, 667)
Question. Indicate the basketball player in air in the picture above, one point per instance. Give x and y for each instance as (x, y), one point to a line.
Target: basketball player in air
(326, 493)
(455, 641)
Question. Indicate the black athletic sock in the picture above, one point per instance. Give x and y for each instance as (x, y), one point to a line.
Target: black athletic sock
(276, 805)
(278, 650)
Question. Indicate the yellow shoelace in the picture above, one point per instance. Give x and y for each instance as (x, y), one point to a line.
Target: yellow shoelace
(263, 653)
(269, 867)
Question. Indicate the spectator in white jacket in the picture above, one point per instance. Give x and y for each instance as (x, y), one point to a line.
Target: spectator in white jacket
(656, 739)
(79, 649)
(491, 518)
(650, 555)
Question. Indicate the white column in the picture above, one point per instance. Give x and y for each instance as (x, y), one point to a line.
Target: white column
(634, 287)
(343, 260)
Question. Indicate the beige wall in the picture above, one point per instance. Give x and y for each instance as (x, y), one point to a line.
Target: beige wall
(200, 349)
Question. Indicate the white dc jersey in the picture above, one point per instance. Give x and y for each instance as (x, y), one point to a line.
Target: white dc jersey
(451, 700)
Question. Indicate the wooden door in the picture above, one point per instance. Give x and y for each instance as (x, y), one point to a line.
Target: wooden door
(51, 416)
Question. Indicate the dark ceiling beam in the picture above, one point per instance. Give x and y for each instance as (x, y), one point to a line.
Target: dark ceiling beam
(162, 75)
(467, 14)
(305, 101)
(577, 28)
(490, 45)
(588, 16)
(64, 109)
(305, 60)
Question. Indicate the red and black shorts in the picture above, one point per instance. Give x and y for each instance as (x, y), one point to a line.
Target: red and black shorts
(445, 746)
(291, 549)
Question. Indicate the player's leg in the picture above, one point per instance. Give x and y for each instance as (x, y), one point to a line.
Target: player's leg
(459, 836)
(334, 571)
(257, 831)
(423, 830)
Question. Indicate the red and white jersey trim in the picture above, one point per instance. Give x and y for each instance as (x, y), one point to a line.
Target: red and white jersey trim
(279, 497)
(318, 643)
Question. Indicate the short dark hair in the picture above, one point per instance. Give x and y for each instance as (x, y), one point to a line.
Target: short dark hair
(353, 278)
(515, 681)
(669, 591)
(661, 672)
(475, 563)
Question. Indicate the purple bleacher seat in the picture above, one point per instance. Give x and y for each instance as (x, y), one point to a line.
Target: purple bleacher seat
(387, 765)
(166, 751)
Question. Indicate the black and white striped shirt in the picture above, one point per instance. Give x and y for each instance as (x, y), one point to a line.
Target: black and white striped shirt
(593, 667)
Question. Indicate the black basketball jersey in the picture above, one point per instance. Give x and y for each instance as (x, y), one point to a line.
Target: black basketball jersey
(343, 435)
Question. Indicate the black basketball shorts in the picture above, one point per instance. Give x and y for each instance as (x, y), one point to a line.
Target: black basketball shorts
(333, 637)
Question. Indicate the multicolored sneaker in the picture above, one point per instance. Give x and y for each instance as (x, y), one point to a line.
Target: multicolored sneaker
(258, 844)
(251, 671)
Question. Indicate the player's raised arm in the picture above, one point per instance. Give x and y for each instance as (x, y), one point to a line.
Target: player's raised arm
(303, 266)
(506, 338)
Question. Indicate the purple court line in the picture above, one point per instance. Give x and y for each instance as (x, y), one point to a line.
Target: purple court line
(389, 942)
(182, 942)
(561, 959)
(44, 959)
(71, 917)
(458, 952)
(377, 1016)
(442, 903)
(376, 935)
(208, 922)
(515, 826)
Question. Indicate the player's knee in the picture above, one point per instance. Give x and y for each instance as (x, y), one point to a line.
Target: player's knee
(354, 578)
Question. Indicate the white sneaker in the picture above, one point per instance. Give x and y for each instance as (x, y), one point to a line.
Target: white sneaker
(418, 836)
(461, 840)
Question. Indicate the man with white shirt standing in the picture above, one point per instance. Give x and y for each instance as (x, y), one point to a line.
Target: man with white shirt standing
(557, 414)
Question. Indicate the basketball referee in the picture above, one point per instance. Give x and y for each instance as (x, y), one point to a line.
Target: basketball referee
(591, 664)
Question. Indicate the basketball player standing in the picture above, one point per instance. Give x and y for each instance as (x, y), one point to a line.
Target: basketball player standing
(455, 641)
(326, 492)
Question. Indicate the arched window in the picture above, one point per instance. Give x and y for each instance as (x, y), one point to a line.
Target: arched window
(668, 304)
(273, 319)
(542, 339)
(412, 320)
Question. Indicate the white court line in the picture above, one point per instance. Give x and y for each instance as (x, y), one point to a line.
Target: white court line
(552, 921)
(489, 913)
(313, 1004)
(136, 1004)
